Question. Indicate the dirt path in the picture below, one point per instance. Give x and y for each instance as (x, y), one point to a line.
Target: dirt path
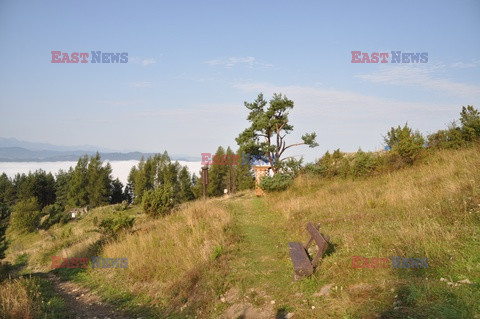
(263, 273)
(83, 303)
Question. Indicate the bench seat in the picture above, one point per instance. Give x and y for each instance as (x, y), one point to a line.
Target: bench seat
(303, 265)
(301, 262)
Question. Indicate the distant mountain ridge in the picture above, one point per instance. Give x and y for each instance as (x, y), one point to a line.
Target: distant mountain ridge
(34, 146)
(13, 150)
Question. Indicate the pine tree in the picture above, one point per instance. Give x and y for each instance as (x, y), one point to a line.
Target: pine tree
(150, 171)
(197, 187)
(185, 182)
(106, 184)
(4, 220)
(7, 190)
(128, 193)
(118, 195)
(62, 186)
(5, 183)
(99, 182)
(162, 162)
(244, 172)
(43, 188)
(139, 181)
(170, 177)
(269, 127)
(217, 173)
(77, 193)
(230, 180)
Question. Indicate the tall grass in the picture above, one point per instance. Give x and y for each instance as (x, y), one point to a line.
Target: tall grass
(429, 210)
(19, 299)
(166, 255)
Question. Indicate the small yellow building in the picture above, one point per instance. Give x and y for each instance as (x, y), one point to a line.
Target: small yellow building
(260, 171)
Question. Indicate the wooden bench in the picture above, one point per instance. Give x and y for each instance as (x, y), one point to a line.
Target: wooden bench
(302, 264)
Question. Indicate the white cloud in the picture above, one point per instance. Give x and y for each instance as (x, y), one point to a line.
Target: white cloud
(313, 100)
(143, 61)
(232, 61)
(149, 61)
(463, 65)
(348, 120)
(422, 77)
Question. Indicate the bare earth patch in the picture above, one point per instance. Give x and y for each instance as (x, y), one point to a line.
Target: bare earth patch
(82, 302)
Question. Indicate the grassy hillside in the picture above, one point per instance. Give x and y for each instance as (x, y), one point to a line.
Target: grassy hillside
(228, 258)
(431, 210)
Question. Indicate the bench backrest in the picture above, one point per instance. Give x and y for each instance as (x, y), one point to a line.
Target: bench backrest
(321, 242)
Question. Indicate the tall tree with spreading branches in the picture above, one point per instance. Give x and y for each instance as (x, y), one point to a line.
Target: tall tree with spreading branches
(269, 128)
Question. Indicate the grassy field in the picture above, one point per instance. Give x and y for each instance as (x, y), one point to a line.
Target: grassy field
(228, 258)
(431, 210)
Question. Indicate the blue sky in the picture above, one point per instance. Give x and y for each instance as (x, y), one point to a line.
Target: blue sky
(192, 64)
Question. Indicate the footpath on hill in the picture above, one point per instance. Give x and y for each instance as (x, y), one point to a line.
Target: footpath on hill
(263, 274)
(81, 302)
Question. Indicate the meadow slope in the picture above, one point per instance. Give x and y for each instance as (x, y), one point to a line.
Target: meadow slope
(228, 257)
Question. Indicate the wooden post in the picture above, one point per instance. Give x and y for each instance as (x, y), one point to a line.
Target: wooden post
(205, 181)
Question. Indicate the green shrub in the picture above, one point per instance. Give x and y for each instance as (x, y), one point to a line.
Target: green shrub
(121, 206)
(405, 143)
(329, 165)
(95, 221)
(455, 136)
(364, 164)
(65, 217)
(315, 169)
(157, 202)
(291, 166)
(51, 214)
(26, 215)
(112, 226)
(470, 119)
(344, 168)
(66, 232)
(217, 252)
(277, 182)
(449, 138)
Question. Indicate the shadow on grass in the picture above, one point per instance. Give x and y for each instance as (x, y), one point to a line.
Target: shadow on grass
(41, 299)
(15, 270)
(132, 305)
(331, 248)
(430, 299)
(121, 300)
(418, 298)
(91, 250)
(281, 313)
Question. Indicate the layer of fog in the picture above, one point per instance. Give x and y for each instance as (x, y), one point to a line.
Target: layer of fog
(120, 169)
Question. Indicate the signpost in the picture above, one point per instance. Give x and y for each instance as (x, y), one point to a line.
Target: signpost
(205, 180)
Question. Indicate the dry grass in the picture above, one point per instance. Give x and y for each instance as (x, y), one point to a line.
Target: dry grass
(167, 253)
(435, 192)
(18, 299)
(430, 210)
(74, 239)
(166, 257)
